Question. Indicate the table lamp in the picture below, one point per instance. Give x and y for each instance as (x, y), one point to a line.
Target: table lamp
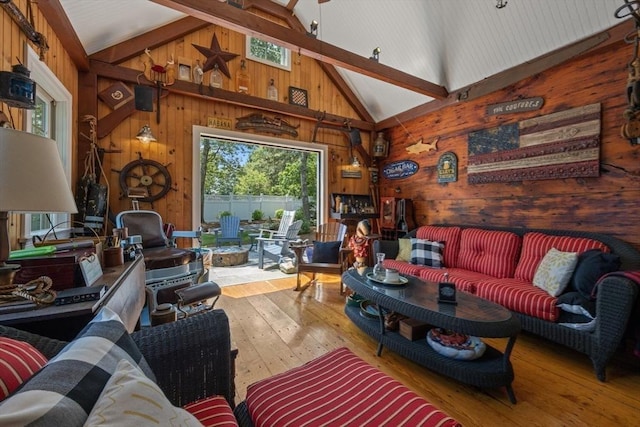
(32, 179)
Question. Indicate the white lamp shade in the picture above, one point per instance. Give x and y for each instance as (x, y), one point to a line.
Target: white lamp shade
(32, 177)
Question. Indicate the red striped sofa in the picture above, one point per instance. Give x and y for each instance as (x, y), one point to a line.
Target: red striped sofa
(499, 264)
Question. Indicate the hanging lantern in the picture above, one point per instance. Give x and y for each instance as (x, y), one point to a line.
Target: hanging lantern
(380, 146)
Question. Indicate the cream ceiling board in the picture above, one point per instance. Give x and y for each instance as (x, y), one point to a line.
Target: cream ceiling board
(103, 23)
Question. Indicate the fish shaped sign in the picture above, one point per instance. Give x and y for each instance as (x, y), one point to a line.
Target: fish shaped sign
(400, 169)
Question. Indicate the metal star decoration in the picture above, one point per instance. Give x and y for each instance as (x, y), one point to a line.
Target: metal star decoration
(215, 56)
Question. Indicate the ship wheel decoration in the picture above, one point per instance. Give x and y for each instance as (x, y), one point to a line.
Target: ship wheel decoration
(145, 177)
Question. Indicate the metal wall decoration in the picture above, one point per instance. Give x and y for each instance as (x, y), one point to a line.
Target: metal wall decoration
(400, 169)
(448, 167)
(559, 145)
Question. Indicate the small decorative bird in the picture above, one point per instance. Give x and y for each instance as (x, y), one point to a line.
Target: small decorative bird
(420, 146)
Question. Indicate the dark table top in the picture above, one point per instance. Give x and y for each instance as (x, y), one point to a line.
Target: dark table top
(419, 299)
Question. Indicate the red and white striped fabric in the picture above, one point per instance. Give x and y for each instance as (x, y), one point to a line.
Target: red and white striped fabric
(450, 236)
(18, 362)
(536, 245)
(521, 296)
(339, 389)
(212, 411)
(490, 252)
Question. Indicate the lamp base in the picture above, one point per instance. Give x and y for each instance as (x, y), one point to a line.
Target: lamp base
(7, 273)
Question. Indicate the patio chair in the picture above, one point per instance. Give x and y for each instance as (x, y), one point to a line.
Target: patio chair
(286, 220)
(276, 248)
(229, 230)
(330, 254)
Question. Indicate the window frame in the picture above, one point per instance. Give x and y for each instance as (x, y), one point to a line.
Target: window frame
(286, 54)
(59, 130)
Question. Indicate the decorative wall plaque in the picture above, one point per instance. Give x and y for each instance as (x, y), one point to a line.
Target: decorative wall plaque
(298, 96)
(527, 104)
(448, 167)
(400, 169)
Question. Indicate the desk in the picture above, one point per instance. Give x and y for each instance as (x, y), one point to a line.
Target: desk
(125, 295)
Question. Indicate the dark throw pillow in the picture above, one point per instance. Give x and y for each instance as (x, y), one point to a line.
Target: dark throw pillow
(592, 265)
(327, 252)
(426, 252)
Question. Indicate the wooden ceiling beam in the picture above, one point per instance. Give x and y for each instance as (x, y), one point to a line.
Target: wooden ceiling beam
(128, 75)
(151, 39)
(244, 22)
(60, 24)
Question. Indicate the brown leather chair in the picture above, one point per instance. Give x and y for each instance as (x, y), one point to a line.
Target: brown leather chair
(325, 233)
(168, 268)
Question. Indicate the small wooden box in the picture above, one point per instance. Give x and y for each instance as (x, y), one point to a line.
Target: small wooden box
(413, 329)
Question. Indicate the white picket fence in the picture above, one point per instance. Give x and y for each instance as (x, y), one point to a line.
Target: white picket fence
(244, 206)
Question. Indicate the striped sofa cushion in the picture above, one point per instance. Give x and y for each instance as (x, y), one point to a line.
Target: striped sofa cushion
(450, 236)
(520, 296)
(536, 245)
(464, 280)
(212, 411)
(339, 388)
(66, 389)
(404, 267)
(490, 252)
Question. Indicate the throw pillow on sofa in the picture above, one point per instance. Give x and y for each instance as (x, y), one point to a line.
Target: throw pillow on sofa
(65, 390)
(18, 362)
(592, 265)
(131, 398)
(426, 252)
(404, 250)
(555, 270)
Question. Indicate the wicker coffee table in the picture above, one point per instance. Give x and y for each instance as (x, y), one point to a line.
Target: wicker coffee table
(471, 316)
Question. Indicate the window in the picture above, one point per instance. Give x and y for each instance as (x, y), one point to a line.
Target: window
(52, 119)
(268, 53)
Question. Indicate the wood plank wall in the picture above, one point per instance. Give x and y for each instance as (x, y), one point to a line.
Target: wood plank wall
(12, 50)
(609, 203)
(179, 113)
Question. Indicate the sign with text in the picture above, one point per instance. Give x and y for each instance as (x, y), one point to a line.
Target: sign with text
(400, 169)
(527, 104)
(220, 123)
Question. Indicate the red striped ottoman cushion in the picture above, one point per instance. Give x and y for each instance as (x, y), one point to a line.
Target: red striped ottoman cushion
(339, 389)
(18, 362)
(536, 245)
(450, 236)
(521, 296)
(212, 411)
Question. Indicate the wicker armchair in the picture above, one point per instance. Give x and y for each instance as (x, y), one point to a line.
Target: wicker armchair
(191, 358)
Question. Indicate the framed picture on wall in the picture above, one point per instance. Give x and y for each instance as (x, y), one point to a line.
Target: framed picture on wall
(184, 69)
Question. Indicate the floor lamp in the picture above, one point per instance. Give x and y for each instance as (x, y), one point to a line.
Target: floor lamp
(32, 179)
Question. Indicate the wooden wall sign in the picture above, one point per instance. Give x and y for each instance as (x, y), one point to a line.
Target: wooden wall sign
(559, 145)
(220, 123)
(400, 169)
(448, 167)
(527, 104)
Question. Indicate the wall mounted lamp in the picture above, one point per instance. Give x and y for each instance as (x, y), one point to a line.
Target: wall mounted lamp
(380, 146)
(313, 29)
(376, 54)
(145, 135)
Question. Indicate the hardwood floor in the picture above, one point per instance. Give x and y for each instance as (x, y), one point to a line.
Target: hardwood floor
(275, 329)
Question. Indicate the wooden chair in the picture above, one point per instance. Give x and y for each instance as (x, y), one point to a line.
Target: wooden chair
(276, 248)
(285, 223)
(328, 232)
(229, 230)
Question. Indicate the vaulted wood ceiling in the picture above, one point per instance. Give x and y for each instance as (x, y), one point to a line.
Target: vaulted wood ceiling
(433, 52)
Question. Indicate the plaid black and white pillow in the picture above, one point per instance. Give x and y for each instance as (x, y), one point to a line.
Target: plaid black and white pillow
(66, 389)
(426, 252)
